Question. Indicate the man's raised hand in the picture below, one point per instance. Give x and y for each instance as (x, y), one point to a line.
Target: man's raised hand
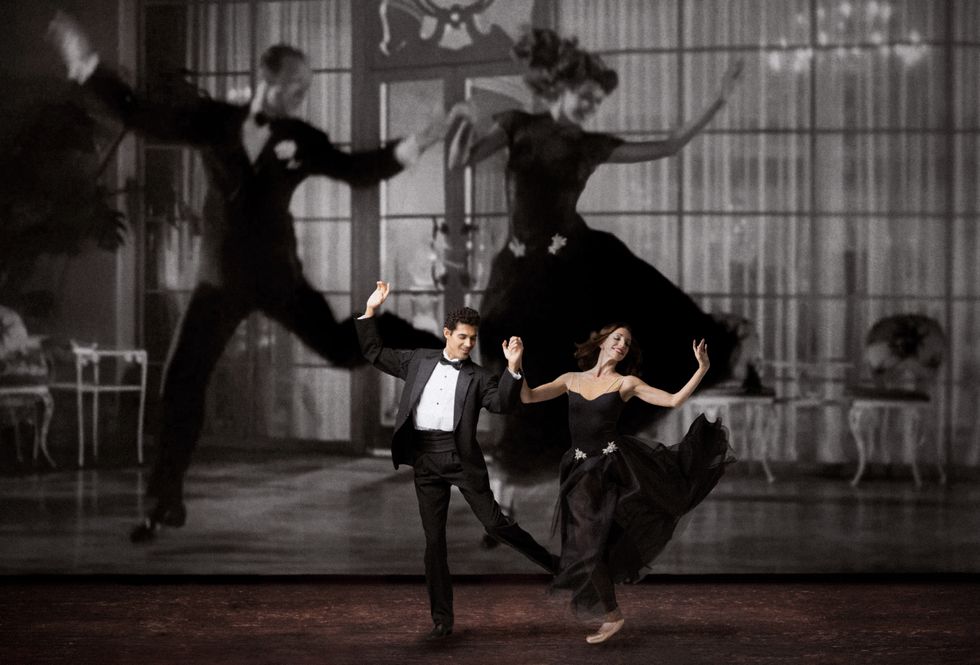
(73, 45)
(377, 298)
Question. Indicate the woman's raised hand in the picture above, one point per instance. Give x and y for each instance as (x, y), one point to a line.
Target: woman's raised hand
(701, 354)
(464, 110)
(462, 140)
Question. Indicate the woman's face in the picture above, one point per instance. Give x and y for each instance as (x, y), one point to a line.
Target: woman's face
(580, 103)
(617, 345)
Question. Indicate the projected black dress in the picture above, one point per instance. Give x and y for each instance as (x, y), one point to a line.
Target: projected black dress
(620, 498)
(557, 280)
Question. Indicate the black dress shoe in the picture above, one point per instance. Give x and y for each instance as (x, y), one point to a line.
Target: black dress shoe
(488, 542)
(440, 631)
(170, 514)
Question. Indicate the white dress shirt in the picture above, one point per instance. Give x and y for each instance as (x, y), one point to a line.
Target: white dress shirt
(436, 406)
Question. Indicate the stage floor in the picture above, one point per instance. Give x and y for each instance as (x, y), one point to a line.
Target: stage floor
(339, 622)
(316, 514)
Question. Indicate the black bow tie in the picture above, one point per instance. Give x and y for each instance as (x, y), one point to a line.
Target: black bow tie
(261, 119)
(455, 364)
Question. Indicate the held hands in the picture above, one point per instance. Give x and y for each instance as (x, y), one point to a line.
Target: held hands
(377, 298)
(434, 130)
(701, 354)
(74, 47)
(464, 110)
(514, 353)
(409, 150)
(439, 125)
(731, 80)
(463, 137)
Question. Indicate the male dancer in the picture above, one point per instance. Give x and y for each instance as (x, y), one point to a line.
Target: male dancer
(255, 157)
(435, 432)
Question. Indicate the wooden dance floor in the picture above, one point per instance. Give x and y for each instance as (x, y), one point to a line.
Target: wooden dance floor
(500, 621)
(305, 558)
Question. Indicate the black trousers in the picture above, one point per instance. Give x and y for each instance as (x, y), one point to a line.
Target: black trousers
(210, 320)
(435, 474)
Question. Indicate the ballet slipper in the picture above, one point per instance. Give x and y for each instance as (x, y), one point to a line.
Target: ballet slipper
(606, 630)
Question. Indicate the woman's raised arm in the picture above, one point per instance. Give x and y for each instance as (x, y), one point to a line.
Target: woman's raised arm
(646, 151)
(636, 387)
(545, 392)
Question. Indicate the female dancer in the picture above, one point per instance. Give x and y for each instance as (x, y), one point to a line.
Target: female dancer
(620, 499)
(553, 261)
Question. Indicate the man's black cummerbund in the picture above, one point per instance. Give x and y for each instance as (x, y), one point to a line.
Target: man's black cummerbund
(428, 441)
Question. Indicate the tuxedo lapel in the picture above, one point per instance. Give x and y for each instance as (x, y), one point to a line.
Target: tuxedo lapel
(462, 387)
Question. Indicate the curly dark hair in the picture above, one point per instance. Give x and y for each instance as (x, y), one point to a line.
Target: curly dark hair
(587, 353)
(274, 57)
(465, 315)
(556, 63)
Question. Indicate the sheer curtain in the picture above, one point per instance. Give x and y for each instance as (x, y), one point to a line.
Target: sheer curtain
(818, 200)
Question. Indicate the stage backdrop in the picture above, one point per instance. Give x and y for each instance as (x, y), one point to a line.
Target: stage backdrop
(836, 188)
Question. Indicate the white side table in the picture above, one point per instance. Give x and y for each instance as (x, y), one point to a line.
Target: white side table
(760, 420)
(91, 383)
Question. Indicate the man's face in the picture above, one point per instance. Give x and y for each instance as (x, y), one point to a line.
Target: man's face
(287, 90)
(460, 341)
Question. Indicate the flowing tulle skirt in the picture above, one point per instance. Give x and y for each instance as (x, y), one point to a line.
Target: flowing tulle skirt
(618, 510)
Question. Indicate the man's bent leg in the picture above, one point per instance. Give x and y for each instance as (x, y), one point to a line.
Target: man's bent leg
(477, 493)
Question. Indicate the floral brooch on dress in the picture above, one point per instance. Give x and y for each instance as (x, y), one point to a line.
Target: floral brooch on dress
(286, 152)
(557, 242)
(517, 248)
(610, 448)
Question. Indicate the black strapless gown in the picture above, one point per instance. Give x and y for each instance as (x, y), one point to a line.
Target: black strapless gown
(620, 498)
(558, 280)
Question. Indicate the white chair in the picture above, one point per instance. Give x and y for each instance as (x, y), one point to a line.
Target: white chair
(24, 375)
(903, 354)
(90, 380)
(746, 407)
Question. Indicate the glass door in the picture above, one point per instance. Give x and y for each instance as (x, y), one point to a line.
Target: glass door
(414, 233)
(440, 229)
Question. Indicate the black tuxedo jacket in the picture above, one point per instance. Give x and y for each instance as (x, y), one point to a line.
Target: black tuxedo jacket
(248, 237)
(476, 388)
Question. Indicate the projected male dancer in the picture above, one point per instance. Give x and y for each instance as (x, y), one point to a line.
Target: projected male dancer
(255, 156)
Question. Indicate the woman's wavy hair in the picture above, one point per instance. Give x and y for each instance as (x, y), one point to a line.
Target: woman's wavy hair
(587, 353)
(556, 63)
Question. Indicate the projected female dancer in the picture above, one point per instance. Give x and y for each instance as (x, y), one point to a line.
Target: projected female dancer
(554, 262)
